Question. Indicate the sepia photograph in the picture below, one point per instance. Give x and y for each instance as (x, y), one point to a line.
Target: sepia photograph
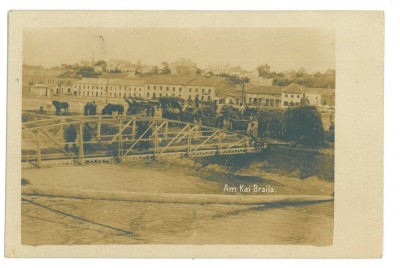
(191, 133)
(178, 136)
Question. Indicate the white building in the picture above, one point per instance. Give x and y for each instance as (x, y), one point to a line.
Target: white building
(154, 87)
(264, 96)
(217, 69)
(205, 88)
(112, 88)
(186, 87)
(118, 65)
(320, 96)
(41, 90)
(183, 67)
(158, 86)
(291, 95)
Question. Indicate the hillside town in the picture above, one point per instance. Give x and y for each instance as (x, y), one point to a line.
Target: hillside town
(118, 79)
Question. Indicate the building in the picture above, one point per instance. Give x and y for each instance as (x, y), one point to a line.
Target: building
(256, 79)
(32, 77)
(41, 90)
(291, 95)
(64, 82)
(119, 65)
(229, 93)
(183, 67)
(158, 86)
(264, 95)
(59, 80)
(320, 96)
(186, 87)
(111, 88)
(217, 69)
(154, 87)
(207, 87)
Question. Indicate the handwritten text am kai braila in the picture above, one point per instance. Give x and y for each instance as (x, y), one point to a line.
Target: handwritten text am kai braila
(242, 188)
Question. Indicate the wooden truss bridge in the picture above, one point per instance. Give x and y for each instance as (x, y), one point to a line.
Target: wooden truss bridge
(81, 140)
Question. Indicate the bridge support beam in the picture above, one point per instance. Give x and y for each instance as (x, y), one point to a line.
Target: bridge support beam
(81, 151)
(38, 150)
(120, 145)
(99, 128)
(155, 140)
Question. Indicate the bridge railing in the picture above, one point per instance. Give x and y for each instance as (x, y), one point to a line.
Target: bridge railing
(99, 139)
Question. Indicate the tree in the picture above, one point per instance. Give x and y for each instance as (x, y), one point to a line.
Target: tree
(301, 72)
(263, 70)
(280, 75)
(154, 69)
(304, 125)
(198, 71)
(165, 68)
(100, 63)
(68, 67)
(87, 71)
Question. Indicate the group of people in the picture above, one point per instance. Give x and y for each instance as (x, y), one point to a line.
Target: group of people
(90, 108)
(150, 111)
(71, 135)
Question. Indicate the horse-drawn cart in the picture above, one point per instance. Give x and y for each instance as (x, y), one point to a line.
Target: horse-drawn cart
(238, 124)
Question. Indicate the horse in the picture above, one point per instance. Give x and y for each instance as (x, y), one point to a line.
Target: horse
(171, 107)
(138, 105)
(110, 108)
(60, 105)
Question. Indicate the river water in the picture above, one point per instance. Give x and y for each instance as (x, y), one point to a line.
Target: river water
(66, 221)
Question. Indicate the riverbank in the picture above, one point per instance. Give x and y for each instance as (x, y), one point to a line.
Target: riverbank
(129, 210)
(287, 171)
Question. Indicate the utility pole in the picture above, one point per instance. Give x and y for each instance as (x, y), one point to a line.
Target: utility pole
(108, 78)
(243, 91)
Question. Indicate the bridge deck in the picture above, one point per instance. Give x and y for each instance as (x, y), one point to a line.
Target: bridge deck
(107, 139)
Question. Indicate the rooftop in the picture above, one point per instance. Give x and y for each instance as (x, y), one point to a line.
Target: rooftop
(293, 88)
(271, 90)
(111, 82)
(204, 81)
(169, 80)
(40, 86)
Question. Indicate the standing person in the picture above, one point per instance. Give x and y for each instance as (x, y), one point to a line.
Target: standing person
(90, 109)
(242, 109)
(251, 132)
(86, 109)
(215, 106)
(70, 135)
(219, 122)
(197, 101)
(94, 108)
(152, 111)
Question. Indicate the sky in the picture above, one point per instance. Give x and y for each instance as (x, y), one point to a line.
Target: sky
(281, 48)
